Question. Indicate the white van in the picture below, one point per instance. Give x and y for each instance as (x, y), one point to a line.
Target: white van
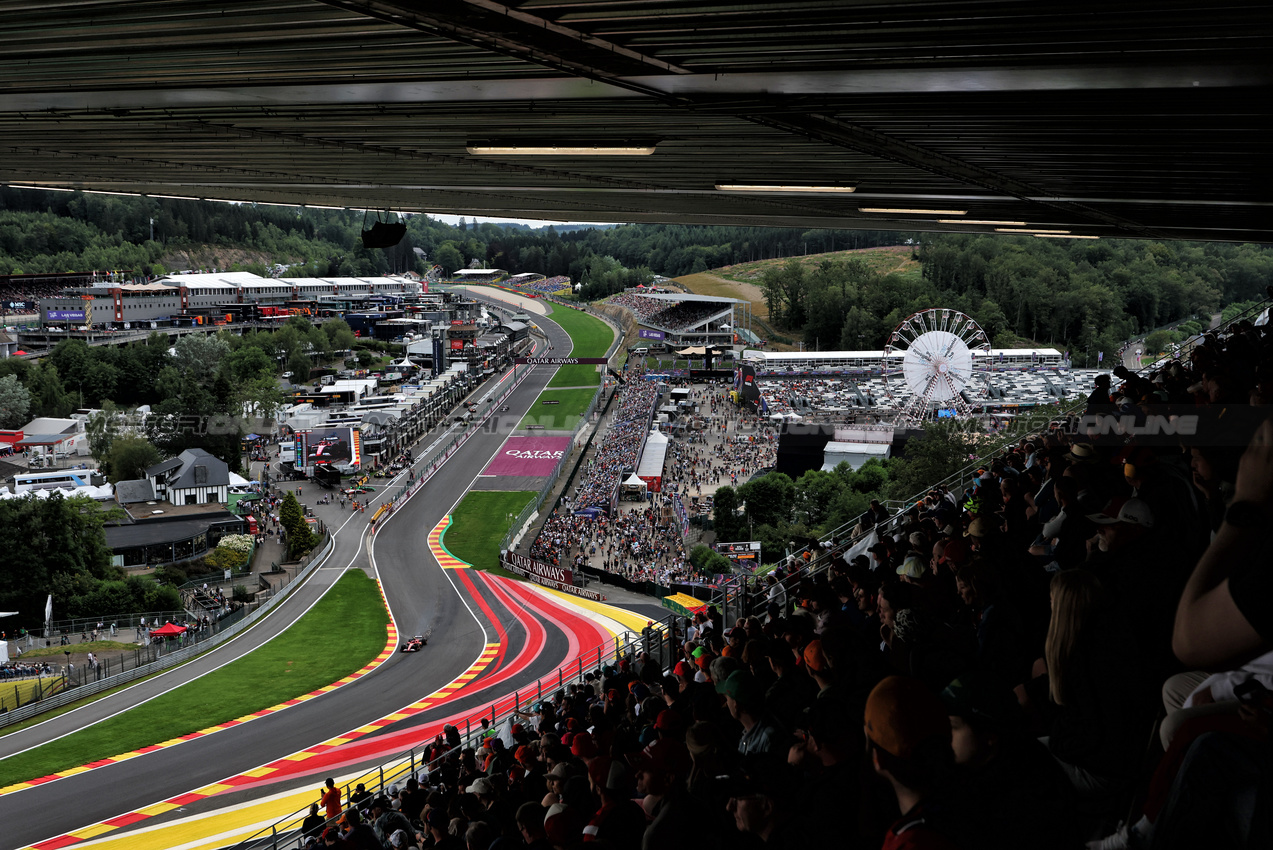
(641, 352)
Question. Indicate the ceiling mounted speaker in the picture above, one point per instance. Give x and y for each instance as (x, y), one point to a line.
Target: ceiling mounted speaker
(383, 235)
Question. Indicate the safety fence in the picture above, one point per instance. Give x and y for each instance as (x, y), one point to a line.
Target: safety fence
(245, 617)
(657, 640)
(104, 626)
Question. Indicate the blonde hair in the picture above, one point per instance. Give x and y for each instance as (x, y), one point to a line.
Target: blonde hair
(1076, 597)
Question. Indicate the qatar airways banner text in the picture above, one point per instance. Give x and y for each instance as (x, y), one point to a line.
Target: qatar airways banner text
(531, 457)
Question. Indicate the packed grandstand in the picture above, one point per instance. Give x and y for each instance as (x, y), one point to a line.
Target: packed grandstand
(1077, 629)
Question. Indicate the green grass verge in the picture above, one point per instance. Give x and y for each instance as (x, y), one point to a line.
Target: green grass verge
(479, 523)
(591, 337)
(559, 417)
(287, 667)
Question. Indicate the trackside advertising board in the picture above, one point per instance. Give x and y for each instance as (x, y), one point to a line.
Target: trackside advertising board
(530, 457)
(558, 578)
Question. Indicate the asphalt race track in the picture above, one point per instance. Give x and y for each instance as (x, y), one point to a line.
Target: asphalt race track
(467, 611)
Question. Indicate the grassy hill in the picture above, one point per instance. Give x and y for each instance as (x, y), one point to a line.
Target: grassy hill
(742, 280)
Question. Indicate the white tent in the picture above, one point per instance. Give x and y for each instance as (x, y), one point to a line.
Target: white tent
(650, 469)
(105, 493)
(633, 488)
(855, 454)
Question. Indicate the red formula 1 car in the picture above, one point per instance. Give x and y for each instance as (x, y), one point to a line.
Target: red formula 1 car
(414, 644)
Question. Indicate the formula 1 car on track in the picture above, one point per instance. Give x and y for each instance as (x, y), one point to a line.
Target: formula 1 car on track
(415, 644)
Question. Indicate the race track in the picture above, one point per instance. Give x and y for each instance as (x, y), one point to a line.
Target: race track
(489, 636)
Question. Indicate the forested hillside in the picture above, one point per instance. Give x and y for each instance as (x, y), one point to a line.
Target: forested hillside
(1083, 296)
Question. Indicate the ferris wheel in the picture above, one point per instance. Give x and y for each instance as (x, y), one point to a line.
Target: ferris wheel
(936, 360)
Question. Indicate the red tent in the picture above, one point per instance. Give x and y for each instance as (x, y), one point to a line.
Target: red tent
(168, 630)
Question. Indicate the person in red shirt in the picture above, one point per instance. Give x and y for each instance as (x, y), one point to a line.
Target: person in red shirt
(329, 798)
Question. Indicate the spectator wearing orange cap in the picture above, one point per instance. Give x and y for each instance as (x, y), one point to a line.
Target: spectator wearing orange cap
(908, 736)
(815, 664)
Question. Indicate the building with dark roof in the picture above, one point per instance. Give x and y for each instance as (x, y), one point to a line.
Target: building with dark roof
(193, 477)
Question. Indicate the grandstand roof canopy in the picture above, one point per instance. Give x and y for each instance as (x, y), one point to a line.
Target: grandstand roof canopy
(679, 297)
(1102, 119)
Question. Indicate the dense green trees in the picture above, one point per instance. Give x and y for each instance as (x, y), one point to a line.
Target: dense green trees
(1083, 297)
(54, 545)
(299, 537)
(15, 402)
(57, 546)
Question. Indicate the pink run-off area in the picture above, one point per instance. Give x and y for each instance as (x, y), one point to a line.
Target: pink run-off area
(529, 457)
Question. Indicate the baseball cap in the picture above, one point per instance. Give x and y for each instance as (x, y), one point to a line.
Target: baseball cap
(979, 527)
(1132, 512)
(598, 770)
(524, 754)
(814, 658)
(736, 632)
(399, 838)
(437, 818)
(563, 825)
(957, 551)
(481, 785)
(666, 755)
(561, 770)
(742, 688)
(917, 538)
(583, 745)
(668, 721)
(901, 714)
(912, 567)
(683, 669)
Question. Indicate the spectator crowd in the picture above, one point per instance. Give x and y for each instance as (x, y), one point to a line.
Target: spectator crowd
(643, 542)
(1075, 649)
(673, 315)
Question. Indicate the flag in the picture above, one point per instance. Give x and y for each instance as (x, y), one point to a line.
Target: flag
(1100, 356)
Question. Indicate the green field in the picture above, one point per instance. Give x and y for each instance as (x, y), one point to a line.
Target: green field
(592, 338)
(479, 523)
(289, 666)
(559, 417)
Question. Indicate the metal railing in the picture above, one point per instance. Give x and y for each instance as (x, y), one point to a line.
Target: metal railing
(163, 662)
(285, 833)
(86, 625)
